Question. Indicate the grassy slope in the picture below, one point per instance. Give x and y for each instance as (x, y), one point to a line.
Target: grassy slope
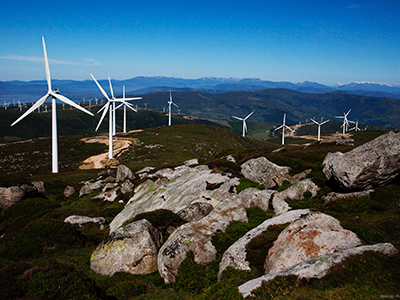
(59, 265)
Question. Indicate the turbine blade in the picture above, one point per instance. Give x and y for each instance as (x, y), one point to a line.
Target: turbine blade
(101, 108)
(287, 127)
(278, 128)
(100, 88)
(70, 102)
(315, 121)
(130, 106)
(175, 104)
(36, 105)
(119, 105)
(129, 99)
(111, 89)
(46, 64)
(103, 115)
(348, 112)
(240, 119)
(249, 114)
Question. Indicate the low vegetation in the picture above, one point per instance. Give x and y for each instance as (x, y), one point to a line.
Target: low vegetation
(41, 257)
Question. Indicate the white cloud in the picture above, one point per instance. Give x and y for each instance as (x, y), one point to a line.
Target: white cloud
(36, 59)
(92, 62)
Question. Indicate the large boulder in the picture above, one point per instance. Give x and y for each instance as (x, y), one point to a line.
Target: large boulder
(89, 187)
(264, 172)
(255, 197)
(131, 249)
(83, 220)
(235, 255)
(175, 190)
(10, 196)
(372, 164)
(316, 267)
(311, 236)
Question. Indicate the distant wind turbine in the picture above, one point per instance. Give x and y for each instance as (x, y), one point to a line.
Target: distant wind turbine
(345, 121)
(356, 128)
(319, 127)
(169, 108)
(54, 96)
(283, 126)
(244, 122)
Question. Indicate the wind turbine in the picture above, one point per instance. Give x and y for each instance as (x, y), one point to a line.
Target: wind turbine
(105, 109)
(54, 96)
(319, 127)
(244, 122)
(356, 128)
(169, 108)
(283, 126)
(345, 121)
(125, 105)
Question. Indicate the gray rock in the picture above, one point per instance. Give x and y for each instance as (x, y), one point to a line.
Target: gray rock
(69, 191)
(196, 237)
(109, 193)
(334, 196)
(294, 192)
(374, 163)
(316, 267)
(264, 172)
(235, 255)
(39, 186)
(195, 211)
(90, 187)
(311, 236)
(29, 189)
(255, 197)
(131, 249)
(82, 220)
(123, 172)
(127, 186)
(10, 196)
(191, 162)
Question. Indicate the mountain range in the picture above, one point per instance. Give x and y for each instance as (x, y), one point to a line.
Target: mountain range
(77, 90)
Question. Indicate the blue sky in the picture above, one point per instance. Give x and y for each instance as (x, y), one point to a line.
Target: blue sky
(288, 40)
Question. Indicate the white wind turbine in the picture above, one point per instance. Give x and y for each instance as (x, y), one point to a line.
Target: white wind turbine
(169, 108)
(356, 128)
(105, 109)
(244, 122)
(345, 121)
(125, 105)
(283, 126)
(54, 96)
(319, 127)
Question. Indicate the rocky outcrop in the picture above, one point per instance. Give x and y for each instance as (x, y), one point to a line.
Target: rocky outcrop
(195, 211)
(175, 190)
(316, 267)
(39, 185)
(311, 236)
(264, 172)
(235, 255)
(123, 173)
(69, 191)
(334, 196)
(127, 186)
(372, 164)
(10, 196)
(294, 192)
(196, 237)
(131, 249)
(82, 220)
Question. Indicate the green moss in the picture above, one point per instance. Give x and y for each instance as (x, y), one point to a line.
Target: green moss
(285, 185)
(247, 183)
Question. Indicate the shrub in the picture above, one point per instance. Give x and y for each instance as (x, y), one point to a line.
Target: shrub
(285, 184)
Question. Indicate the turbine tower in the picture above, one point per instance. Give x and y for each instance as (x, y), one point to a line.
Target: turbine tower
(54, 96)
(105, 109)
(283, 126)
(319, 127)
(244, 122)
(169, 107)
(345, 121)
